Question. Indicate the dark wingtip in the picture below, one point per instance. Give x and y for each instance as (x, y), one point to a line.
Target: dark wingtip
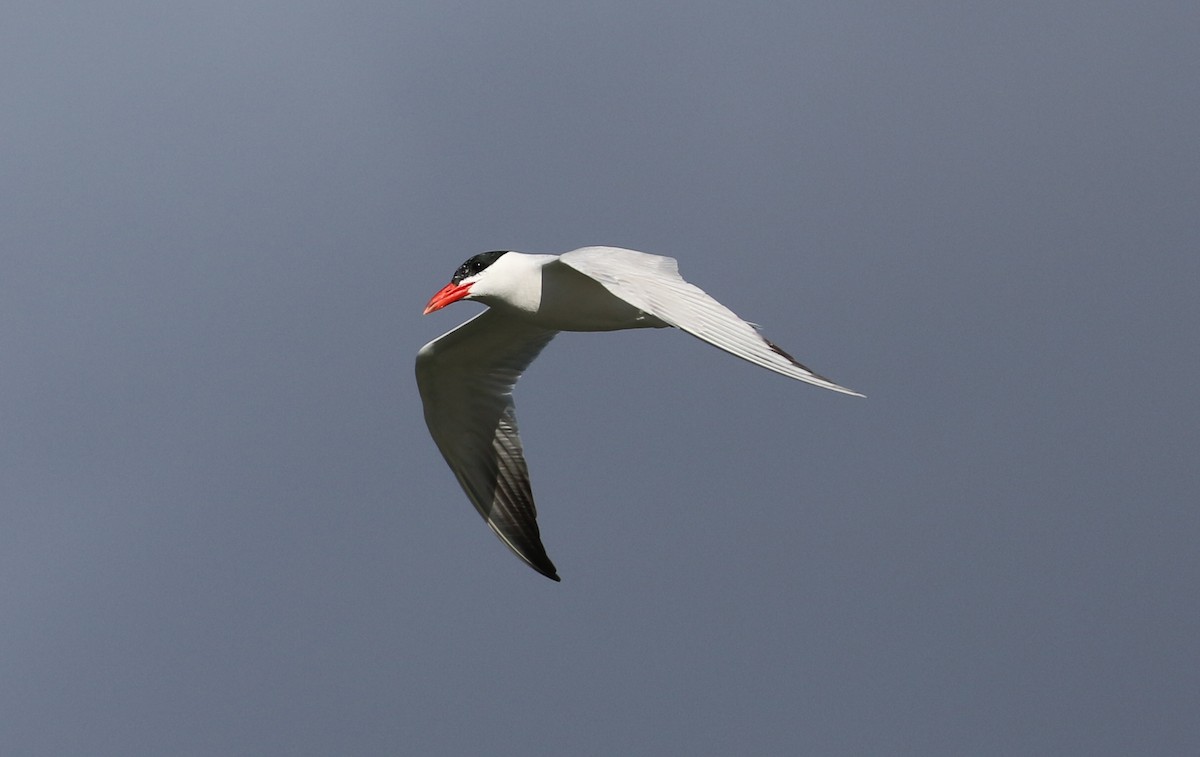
(780, 351)
(546, 568)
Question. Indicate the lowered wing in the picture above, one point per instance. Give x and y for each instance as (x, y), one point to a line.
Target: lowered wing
(466, 378)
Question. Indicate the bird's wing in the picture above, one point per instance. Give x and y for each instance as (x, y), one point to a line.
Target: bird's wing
(652, 284)
(466, 378)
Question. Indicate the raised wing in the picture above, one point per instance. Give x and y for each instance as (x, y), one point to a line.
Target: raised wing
(466, 378)
(652, 283)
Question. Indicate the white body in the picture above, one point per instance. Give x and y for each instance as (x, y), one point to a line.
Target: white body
(541, 290)
(466, 376)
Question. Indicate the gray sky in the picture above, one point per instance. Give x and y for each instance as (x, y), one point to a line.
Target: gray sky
(226, 531)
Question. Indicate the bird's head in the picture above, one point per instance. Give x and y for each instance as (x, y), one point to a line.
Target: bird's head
(467, 275)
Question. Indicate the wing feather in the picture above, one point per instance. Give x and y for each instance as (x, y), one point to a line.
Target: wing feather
(652, 283)
(466, 378)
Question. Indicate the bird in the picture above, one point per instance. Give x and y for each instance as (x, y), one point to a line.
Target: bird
(466, 376)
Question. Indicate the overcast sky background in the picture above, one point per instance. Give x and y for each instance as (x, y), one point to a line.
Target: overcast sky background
(224, 529)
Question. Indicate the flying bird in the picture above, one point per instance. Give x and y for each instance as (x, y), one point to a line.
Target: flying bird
(466, 376)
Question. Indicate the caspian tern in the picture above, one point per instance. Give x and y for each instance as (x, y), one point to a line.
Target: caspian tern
(467, 375)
